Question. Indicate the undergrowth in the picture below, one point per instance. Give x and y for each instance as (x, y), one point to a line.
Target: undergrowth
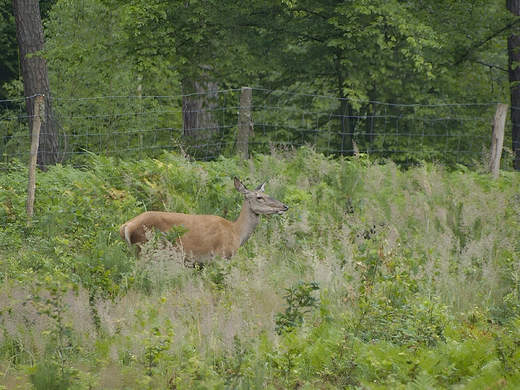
(375, 278)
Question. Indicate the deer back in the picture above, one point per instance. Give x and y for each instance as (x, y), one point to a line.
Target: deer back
(204, 235)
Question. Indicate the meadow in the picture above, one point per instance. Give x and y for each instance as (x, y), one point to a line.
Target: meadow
(375, 278)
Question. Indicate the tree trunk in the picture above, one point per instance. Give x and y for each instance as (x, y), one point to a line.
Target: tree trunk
(198, 102)
(245, 122)
(513, 48)
(29, 32)
(345, 113)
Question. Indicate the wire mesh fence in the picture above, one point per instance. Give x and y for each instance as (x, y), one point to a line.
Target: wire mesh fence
(133, 127)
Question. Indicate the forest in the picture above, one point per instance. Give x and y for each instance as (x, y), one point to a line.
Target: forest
(358, 53)
(387, 270)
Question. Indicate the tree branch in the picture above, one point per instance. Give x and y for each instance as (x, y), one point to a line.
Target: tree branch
(491, 66)
(486, 40)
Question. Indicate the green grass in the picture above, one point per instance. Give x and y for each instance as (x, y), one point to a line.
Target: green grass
(374, 278)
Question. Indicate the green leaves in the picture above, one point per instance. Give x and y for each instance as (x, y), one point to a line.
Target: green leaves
(156, 333)
(299, 301)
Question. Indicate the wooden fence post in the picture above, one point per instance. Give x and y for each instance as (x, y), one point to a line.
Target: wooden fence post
(39, 116)
(498, 139)
(245, 122)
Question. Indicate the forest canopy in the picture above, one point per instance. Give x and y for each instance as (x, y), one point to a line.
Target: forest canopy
(391, 51)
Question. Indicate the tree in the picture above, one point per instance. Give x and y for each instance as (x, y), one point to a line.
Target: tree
(9, 54)
(29, 33)
(513, 44)
(9, 62)
(356, 51)
(198, 103)
(392, 51)
(410, 52)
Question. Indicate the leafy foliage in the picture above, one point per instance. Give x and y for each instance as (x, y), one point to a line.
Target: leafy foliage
(415, 290)
(417, 270)
(54, 370)
(405, 54)
(299, 302)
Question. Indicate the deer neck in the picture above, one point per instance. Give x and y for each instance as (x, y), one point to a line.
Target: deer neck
(245, 223)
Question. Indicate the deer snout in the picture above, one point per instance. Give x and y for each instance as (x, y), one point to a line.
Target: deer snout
(284, 209)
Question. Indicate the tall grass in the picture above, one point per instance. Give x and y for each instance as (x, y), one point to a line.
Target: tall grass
(417, 276)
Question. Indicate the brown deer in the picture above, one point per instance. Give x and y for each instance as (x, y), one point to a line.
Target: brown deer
(206, 236)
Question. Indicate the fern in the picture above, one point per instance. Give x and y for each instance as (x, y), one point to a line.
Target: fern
(423, 381)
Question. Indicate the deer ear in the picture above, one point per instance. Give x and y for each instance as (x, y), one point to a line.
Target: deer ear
(239, 186)
(261, 187)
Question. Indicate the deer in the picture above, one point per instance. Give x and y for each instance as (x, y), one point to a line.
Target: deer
(204, 237)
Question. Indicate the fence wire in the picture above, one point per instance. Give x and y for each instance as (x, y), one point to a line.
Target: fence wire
(134, 127)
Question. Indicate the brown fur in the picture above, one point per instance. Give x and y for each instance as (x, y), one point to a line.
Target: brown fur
(207, 235)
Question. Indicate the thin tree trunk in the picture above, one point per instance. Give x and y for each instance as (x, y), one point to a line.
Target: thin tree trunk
(513, 47)
(344, 111)
(347, 147)
(29, 32)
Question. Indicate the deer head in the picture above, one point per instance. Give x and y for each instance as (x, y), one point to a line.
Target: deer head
(259, 202)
